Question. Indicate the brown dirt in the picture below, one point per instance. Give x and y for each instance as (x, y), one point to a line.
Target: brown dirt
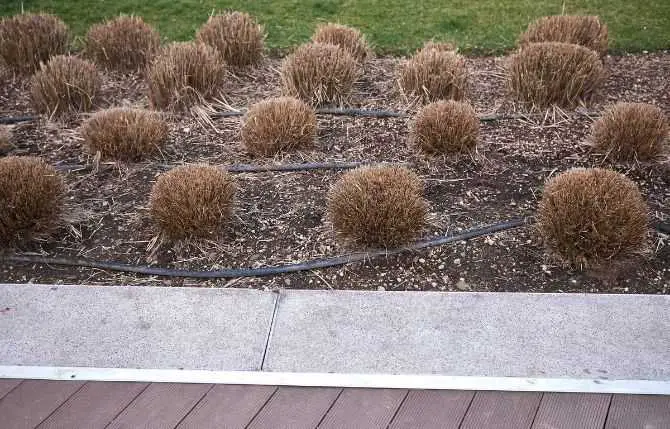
(279, 217)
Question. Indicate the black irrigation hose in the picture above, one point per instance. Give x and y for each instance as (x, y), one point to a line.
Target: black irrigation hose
(271, 271)
(17, 119)
(366, 113)
(360, 112)
(308, 166)
(328, 111)
(249, 168)
(662, 227)
(371, 113)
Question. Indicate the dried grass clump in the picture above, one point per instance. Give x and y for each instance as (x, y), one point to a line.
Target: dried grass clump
(125, 43)
(586, 31)
(192, 201)
(31, 197)
(65, 84)
(378, 206)
(278, 124)
(183, 74)
(26, 40)
(236, 35)
(348, 38)
(587, 216)
(446, 127)
(440, 46)
(319, 73)
(631, 131)
(125, 134)
(434, 74)
(553, 73)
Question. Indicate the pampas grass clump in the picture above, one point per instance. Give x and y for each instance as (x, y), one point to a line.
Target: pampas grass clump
(631, 131)
(125, 134)
(192, 201)
(378, 206)
(278, 124)
(31, 197)
(184, 74)
(319, 73)
(27, 40)
(586, 31)
(65, 84)
(446, 127)
(553, 73)
(125, 43)
(236, 36)
(589, 216)
(434, 74)
(348, 38)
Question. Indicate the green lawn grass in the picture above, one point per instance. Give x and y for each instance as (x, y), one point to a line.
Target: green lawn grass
(393, 26)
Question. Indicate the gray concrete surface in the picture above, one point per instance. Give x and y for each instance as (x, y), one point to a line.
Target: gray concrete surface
(134, 327)
(473, 334)
(614, 337)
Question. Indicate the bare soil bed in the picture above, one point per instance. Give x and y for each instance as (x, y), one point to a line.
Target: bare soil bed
(280, 218)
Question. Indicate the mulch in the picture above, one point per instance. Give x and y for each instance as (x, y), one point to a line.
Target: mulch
(280, 216)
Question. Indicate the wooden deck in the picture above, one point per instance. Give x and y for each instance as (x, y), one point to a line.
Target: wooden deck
(114, 405)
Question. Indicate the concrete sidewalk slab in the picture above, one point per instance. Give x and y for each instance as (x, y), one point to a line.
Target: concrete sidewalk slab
(134, 327)
(579, 336)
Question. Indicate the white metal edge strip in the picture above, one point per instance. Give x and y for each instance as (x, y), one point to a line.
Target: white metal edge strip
(391, 381)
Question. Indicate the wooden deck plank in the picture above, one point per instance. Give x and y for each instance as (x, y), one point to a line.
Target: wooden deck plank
(572, 411)
(363, 408)
(160, 406)
(639, 412)
(432, 409)
(502, 410)
(228, 407)
(6, 386)
(33, 401)
(295, 408)
(94, 405)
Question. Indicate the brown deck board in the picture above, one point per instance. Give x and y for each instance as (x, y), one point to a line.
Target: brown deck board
(572, 411)
(6, 386)
(94, 405)
(639, 412)
(432, 409)
(160, 406)
(295, 408)
(33, 401)
(363, 408)
(502, 410)
(228, 407)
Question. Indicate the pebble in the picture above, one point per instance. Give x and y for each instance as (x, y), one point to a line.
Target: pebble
(462, 285)
(381, 288)
(457, 261)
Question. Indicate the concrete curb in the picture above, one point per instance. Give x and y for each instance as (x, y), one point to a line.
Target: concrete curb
(483, 341)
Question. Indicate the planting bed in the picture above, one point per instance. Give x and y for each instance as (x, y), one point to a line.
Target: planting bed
(279, 217)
